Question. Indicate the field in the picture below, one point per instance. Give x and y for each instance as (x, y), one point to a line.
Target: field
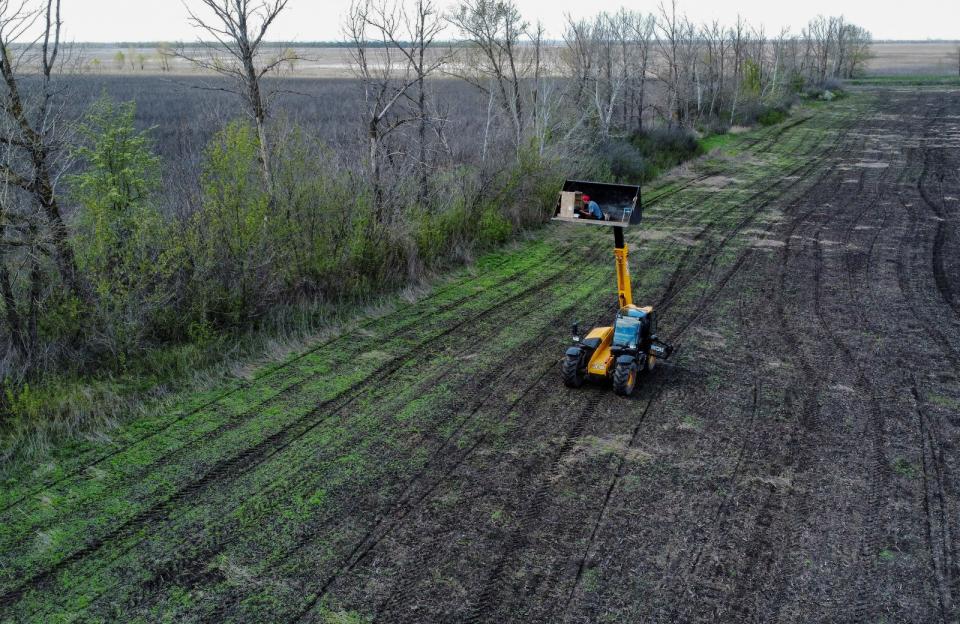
(938, 58)
(934, 58)
(795, 462)
(183, 114)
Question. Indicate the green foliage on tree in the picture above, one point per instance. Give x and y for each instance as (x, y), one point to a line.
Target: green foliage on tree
(119, 234)
(229, 236)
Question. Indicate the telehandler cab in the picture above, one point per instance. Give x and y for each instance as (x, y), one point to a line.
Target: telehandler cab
(631, 346)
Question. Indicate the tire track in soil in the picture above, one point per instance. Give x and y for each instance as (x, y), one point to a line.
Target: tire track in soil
(879, 474)
(915, 232)
(481, 609)
(935, 472)
(401, 508)
(764, 518)
(786, 520)
(774, 195)
(851, 278)
(273, 370)
(617, 478)
(941, 278)
(518, 300)
(228, 469)
(766, 195)
(943, 563)
(407, 502)
(879, 471)
(936, 476)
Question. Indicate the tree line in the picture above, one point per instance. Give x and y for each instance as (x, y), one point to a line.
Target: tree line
(96, 276)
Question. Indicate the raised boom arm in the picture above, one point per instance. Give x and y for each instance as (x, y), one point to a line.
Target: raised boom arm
(623, 269)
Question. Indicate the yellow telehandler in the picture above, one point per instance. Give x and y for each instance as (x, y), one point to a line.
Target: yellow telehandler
(619, 353)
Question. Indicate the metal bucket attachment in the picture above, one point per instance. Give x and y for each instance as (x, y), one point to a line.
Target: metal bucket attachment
(619, 203)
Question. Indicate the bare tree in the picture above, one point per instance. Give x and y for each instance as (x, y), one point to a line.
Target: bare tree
(411, 31)
(494, 61)
(715, 53)
(237, 29)
(736, 37)
(32, 138)
(390, 53)
(642, 31)
(165, 54)
(669, 41)
(858, 41)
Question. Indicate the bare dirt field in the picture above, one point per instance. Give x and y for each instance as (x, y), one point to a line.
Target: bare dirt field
(796, 462)
(936, 58)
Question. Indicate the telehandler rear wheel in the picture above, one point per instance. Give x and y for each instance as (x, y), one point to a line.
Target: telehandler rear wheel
(624, 379)
(571, 372)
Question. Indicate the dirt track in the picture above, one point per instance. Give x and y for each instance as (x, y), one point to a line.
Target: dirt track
(797, 462)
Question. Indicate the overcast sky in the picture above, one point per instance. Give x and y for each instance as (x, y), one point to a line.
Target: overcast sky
(319, 20)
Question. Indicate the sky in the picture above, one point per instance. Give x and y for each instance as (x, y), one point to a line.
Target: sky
(319, 20)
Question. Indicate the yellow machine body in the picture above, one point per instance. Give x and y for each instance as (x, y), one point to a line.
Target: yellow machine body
(602, 363)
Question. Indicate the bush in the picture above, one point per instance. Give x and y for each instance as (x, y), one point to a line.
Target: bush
(665, 148)
(623, 161)
(318, 205)
(772, 116)
(228, 239)
(119, 235)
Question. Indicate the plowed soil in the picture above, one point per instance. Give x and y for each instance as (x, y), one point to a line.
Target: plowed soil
(796, 461)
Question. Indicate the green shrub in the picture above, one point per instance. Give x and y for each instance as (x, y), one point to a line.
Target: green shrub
(119, 235)
(624, 162)
(772, 116)
(664, 148)
(229, 237)
(318, 207)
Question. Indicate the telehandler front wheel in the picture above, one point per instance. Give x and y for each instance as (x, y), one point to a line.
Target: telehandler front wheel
(571, 372)
(625, 379)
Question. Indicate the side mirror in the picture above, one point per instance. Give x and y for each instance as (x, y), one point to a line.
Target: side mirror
(575, 329)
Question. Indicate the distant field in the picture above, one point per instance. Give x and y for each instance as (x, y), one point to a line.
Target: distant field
(311, 62)
(888, 59)
(914, 58)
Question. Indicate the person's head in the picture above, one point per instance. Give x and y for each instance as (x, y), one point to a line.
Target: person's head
(586, 198)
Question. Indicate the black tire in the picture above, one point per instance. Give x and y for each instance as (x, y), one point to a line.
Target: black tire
(571, 372)
(624, 379)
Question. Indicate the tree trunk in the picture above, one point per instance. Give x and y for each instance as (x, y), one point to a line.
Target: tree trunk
(64, 256)
(36, 286)
(264, 154)
(374, 155)
(10, 306)
(422, 132)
